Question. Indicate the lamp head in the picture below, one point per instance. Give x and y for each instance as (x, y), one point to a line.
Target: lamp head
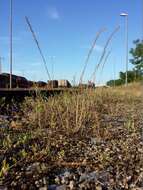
(124, 14)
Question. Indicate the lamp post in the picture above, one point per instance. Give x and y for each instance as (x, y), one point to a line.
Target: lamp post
(0, 66)
(125, 15)
(10, 26)
(142, 20)
(1, 58)
(52, 62)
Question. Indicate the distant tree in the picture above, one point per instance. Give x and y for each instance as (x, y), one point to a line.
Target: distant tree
(119, 82)
(116, 82)
(137, 60)
(137, 54)
(132, 75)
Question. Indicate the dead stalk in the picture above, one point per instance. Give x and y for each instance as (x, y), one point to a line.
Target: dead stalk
(104, 52)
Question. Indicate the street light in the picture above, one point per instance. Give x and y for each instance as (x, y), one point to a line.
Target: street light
(10, 25)
(0, 66)
(1, 58)
(125, 15)
(52, 62)
(142, 20)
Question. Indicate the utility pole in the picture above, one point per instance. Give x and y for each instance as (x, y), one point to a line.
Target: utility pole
(52, 63)
(0, 66)
(11, 30)
(1, 59)
(142, 21)
(125, 15)
(114, 70)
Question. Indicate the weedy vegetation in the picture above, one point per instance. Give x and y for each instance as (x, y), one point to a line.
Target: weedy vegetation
(96, 130)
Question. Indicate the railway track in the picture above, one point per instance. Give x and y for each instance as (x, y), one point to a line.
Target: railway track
(19, 93)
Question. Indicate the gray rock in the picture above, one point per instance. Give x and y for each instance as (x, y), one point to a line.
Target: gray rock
(92, 176)
(76, 177)
(44, 181)
(67, 174)
(43, 188)
(62, 187)
(33, 169)
(81, 170)
(5, 117)
(83, 178)
(83, 185)
(58, 180)
(93, 141)
(72, 184)
(65, 180)
(52, 187)
(3, 188)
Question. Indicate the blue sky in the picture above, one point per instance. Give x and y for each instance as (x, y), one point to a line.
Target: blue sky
(66, 30)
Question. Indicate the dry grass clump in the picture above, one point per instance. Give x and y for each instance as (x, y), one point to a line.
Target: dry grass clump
(101, 129)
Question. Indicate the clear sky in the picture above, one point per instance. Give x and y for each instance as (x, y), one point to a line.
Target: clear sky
(66, 30)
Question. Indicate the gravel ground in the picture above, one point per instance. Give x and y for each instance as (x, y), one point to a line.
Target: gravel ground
(108, 156)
